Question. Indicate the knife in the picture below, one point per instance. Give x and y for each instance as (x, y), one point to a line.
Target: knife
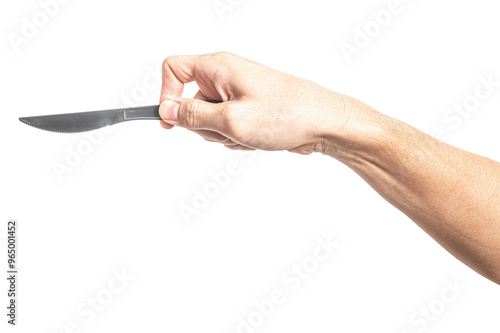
(88, 121)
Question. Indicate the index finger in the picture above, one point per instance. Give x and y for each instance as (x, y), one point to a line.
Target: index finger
(176, 71)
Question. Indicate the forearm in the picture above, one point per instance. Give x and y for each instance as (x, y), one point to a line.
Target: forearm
(451, 194)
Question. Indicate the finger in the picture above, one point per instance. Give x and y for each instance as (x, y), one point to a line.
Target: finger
(208, 135)
(176, 71)
(194, 114)
(231, 143)
(238, 147)
(198, 95)
(173, 85)
(165, 125)
(212, 136)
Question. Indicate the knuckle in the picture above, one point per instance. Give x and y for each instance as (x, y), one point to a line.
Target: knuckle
(167, 62)
(191, 114)
(222, 63)
(171, 62)
(223, 54)
(221, 58)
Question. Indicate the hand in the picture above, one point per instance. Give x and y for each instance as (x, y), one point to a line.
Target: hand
(261, 108)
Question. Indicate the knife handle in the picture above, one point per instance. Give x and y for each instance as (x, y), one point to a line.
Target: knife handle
(143, 112)
(147, 112)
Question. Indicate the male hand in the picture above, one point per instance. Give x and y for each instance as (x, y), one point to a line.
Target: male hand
(260, 108)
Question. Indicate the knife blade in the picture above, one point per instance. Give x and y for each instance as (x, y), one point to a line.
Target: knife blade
(92, 120)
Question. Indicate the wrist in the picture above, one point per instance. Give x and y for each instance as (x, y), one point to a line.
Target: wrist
(356, 134)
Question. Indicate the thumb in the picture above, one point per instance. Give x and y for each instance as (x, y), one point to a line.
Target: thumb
(191, 113)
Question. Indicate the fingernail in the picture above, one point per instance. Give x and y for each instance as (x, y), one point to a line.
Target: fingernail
(169, 110)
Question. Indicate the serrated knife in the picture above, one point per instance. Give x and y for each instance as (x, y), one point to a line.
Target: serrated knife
(88, 121)
(92, 120)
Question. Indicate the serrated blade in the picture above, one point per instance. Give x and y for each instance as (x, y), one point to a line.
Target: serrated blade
(88, 121)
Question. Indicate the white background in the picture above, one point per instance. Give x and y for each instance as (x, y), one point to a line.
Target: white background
(119, 207)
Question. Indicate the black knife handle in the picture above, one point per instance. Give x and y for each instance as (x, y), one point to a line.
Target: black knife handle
(142, 112)
(147, 112)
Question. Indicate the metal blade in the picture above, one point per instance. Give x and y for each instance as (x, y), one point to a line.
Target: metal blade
(88, 121)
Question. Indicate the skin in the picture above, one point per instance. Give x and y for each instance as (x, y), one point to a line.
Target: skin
(453, 195)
